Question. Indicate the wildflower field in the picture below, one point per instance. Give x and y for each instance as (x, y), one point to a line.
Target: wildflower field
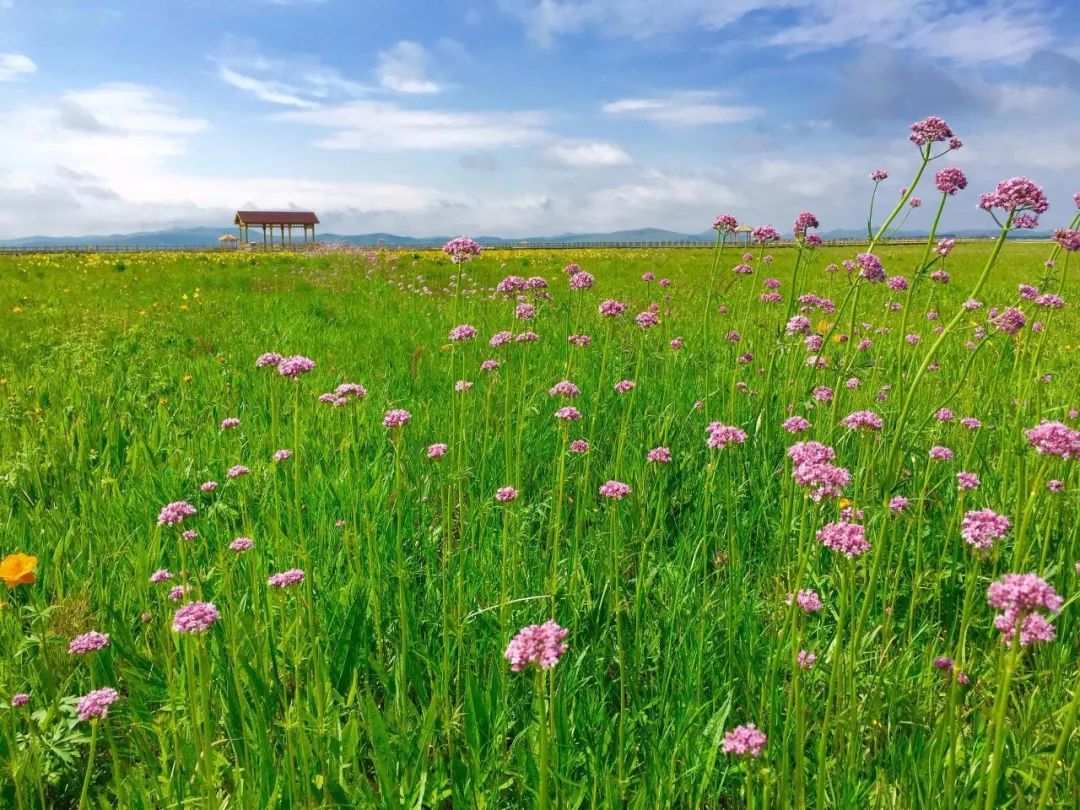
(778, 525)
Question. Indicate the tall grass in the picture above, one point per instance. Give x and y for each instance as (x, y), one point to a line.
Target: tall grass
(380, 680)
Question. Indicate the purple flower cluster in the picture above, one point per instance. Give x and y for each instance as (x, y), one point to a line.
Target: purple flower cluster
(870, 267)
(462, 249)
(195, 617)
(1015, 194)
(538, 645)
(765, 233)
(725, 223)
(286, 579)
(950, 180)
(722, 436)
(173, 514)
(506, 494)
(88, 643)
(745, 741)
(1054, 439)
(930, 130)
(95, 705)
(1020, 597)
(462, 333)
(981, 527)
(848, 539)
(862, 420)
(396, 417)
(616, 490)
(294, 366)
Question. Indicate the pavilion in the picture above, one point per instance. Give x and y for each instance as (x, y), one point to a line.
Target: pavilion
(227, 241)
(743, 229)
(282, 220)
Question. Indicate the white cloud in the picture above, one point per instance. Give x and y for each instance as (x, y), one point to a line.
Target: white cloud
(14, 66)
(690, 108)
(584, 155)
(384, 126)
(404, 68)
(271, 92)
(308, 82)
(997, 31)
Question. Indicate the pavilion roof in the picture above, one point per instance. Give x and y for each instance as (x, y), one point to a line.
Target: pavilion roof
(276, 218)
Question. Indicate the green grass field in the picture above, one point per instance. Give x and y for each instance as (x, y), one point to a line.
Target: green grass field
(381, 681)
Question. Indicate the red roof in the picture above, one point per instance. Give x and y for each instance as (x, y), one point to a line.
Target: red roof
(276, 218)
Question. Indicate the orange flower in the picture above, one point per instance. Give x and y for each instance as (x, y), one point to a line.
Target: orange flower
(18, 569)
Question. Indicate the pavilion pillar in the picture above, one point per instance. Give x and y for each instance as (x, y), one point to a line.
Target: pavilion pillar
(264, 235)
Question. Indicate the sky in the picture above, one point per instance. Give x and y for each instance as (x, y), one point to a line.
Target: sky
(521, 117)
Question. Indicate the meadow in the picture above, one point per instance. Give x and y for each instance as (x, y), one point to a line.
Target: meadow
(766, 508)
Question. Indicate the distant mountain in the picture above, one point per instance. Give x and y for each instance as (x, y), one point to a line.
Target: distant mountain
(208, 237)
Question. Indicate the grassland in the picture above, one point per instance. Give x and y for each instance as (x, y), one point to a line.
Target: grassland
(380, 681)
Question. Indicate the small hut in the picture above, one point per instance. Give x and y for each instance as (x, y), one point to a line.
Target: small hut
(284, 221)
(227, 241)
(745, 231)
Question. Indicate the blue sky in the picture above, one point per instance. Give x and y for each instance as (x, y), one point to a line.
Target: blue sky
(520, 117)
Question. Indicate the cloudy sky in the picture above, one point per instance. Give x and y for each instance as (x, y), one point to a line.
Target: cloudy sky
(519, 117)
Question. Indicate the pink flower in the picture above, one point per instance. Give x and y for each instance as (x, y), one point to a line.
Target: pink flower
(721, 436)
(161, 575)
(615, 490)
(229, 423)
(661, 455)
(966, 481)
(286, 579)
(195, 617)
(568, 414)
(1069, 239)
(806, 660)
(745, 741)
(237, 471)
(564, 388)
(579, 446)
(436, 451)
(461, 386)
(862, 420)
(189, 535)
(581, 281)
(1015, 195)
(462, 333)
(725, 223)
(930, 130)
(294, 366)
(525, 312)
(241, 544)
(1052, 439)
(676, 343)
(500, 339)
(173, 514)
(981, 527)
(765, 233)
(1020, 597)
(208, 486)
(877, 175)
(950, 180)
(848, 539)
(489, 365)
(579, 340)
(646, 320)
(268, 359)
(612, 309)
(20, 699)
(870, 267)
(899, 503)
(95, 705)
(179, 592)
(625, 386)
(506, 494)
(796, 424)
(396, 418)
(939, 453)
(462, 249)
(808, 601)
(539, 645)
(88, 643)
(282, 455)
